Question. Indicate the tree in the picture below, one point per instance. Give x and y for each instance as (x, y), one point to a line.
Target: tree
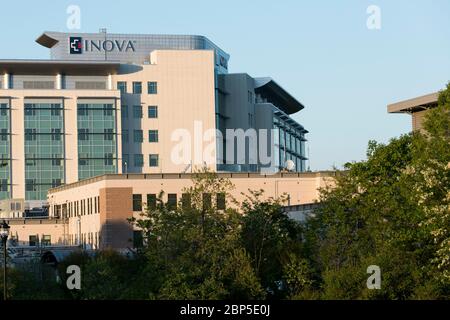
(269, 236)
(195, 246)
(393, 211)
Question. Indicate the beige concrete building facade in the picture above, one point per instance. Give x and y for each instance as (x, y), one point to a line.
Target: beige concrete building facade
(113, 103)
(95, 211)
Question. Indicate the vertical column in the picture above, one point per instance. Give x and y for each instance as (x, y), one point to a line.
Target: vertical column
(110, 82)
(58, 81)
(6, 81)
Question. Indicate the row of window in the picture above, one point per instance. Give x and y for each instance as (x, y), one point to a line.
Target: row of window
(46, 240)
(153, 160)
(34, 184)
(152, 87)
(90, 238)
(153, 136)
(172, 201)
(152, 112)
(78, 208)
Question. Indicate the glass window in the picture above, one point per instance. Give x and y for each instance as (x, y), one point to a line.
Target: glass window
(151, 201)
(186, 201)
(108, 109)
(108, 134)
(152, 112)
(172, 200)
(138, 136)
(137, 202)
(138, 160)
(83, 134)
(220, 201)
(152, 135)
(125, 136)
(152, 87)
(153, 160)
(137, 87)
(137, 112)
(46, 240)
(4, 134)
(124, 111)
(108, 159)
(122, 86)
(33, 240)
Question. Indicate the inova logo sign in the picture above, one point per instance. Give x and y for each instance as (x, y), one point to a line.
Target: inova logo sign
(77, 45)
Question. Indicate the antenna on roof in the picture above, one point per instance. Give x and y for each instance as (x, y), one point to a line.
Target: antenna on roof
(104, 31)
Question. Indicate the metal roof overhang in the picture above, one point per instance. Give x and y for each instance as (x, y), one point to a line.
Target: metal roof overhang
(414, 105)
(46, 40)
(269, 89)
(53, 67)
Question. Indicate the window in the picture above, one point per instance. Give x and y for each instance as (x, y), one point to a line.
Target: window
(152, 135)
(152, 87)
(122, 86)
(30, 185)
(56, 160)
(137, 112)
(125, 136)
(137, 202)
(108, 134)
(82, 109)
(151, 201)
(138, 136)
(83, 134)
(186, 201)
(4, 185)
(29, 111)
(4, 134)
(46, 240)
(56, 134)
(206, 201)
(138, 160)
(108, 159)
(220, 201)
(124, 111)
(250, 120)
(154, 160)
(55, 109)
(33, 241)
(172, 200)
(30, 134)
(56, 183)
(3, 110)
(108, 110)
(153, 112)
(137, 87)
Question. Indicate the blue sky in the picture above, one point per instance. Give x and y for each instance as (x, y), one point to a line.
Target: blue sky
(321, 51)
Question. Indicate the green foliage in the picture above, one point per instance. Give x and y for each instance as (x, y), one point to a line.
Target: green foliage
(269, 236)
(392, 211)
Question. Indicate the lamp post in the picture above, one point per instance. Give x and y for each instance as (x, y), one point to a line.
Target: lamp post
(4, 233)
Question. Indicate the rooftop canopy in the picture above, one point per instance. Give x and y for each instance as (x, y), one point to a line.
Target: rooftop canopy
(274, 93)
(414, 105)
(53, 67)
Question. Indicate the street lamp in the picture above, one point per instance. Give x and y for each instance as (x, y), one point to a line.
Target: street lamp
(4, 233)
